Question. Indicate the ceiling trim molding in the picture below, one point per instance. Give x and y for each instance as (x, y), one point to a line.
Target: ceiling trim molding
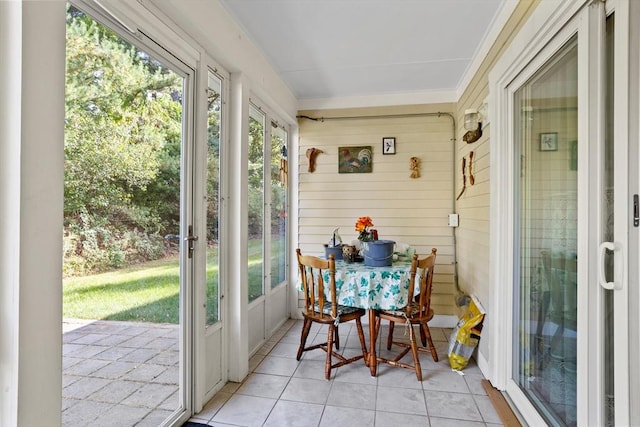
(495, 27)
(385, 100)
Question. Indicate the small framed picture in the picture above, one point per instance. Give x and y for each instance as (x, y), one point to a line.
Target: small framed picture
(388, 145)
(549, 141)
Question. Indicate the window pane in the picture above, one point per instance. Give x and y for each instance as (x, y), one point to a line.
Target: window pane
(546, 224)
(214, 115)
(279, 205)
(256, 203)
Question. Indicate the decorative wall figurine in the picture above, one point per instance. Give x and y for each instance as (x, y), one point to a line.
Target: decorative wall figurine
(284, 172)
(349, 253)
(464, 177)
(472, 179)
(312, 153)
(414, 165)
(473, 135)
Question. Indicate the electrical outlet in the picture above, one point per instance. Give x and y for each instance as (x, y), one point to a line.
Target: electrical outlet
(453, 220)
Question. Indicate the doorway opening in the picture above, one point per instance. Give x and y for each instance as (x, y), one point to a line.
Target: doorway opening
(122, 226)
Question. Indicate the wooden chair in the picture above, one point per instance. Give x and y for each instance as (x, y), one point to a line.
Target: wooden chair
(559, 301)
(418, 312)
(318, 309)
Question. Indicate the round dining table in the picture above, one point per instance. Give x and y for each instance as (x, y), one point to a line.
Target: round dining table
(373, 288)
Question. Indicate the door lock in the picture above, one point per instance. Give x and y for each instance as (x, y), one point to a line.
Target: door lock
(191, 239)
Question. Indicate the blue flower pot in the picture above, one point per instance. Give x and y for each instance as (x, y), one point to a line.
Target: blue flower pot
(335, 250)
(378, 253)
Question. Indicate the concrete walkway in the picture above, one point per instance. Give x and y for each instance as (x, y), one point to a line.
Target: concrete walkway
(118, 373)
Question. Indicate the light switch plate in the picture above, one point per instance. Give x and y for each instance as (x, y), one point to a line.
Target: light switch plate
(453, 220)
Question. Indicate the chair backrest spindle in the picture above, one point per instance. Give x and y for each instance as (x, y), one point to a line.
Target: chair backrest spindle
(313, 282)
(423, 299)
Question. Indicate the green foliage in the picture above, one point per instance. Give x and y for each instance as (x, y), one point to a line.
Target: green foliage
(256, 177)
(213, 278)
(255, 274)
(213, 165)
(123, 113)
(256, 153)
(92, 244)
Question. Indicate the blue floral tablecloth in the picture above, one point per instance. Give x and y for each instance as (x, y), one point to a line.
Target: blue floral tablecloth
(358, 285)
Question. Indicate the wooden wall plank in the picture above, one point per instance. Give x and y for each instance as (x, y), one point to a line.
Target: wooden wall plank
(412, 211)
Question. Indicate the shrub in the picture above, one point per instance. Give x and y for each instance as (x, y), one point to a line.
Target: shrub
(92, 245)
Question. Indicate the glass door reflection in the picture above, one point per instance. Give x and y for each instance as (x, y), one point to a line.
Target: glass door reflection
(546, 224)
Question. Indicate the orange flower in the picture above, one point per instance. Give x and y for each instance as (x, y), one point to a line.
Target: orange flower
(363, 224)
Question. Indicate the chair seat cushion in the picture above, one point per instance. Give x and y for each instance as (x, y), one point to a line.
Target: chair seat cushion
(342, 309)
(415, 309)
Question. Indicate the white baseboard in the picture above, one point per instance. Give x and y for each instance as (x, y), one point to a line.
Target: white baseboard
(443, 321)
(483, 365)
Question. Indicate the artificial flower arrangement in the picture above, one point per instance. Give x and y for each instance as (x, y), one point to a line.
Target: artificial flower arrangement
(363, 225)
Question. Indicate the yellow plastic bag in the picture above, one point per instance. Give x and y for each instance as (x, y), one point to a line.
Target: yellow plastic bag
(466, 335)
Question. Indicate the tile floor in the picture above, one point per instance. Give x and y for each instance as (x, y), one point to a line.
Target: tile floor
(280, 391)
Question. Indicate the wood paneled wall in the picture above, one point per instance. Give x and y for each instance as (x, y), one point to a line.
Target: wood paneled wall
(473, 207)
(406, 210)
(473, 237)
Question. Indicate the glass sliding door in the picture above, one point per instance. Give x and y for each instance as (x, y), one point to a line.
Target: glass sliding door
(568, 178)
(544, 360)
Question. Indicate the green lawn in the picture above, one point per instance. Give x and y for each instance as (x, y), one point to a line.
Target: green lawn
(146, 292)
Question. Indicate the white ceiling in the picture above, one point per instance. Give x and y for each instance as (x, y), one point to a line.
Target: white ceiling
(332, 49)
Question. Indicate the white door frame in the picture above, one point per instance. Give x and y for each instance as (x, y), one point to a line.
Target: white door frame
(634, 238)
(626, 178)
(262, 311)
(210, 341)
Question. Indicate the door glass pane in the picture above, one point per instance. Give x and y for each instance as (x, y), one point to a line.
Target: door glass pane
(256, 203)
(279, 205)
(214, 115)
(607, 203)
(546, 238)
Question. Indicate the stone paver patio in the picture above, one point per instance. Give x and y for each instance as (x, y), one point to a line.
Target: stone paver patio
(118, 373)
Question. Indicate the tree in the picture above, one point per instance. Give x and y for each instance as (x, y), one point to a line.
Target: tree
(122, 135)
(255, 177)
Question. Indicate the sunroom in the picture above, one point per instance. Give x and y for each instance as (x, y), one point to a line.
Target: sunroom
(533, 208)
